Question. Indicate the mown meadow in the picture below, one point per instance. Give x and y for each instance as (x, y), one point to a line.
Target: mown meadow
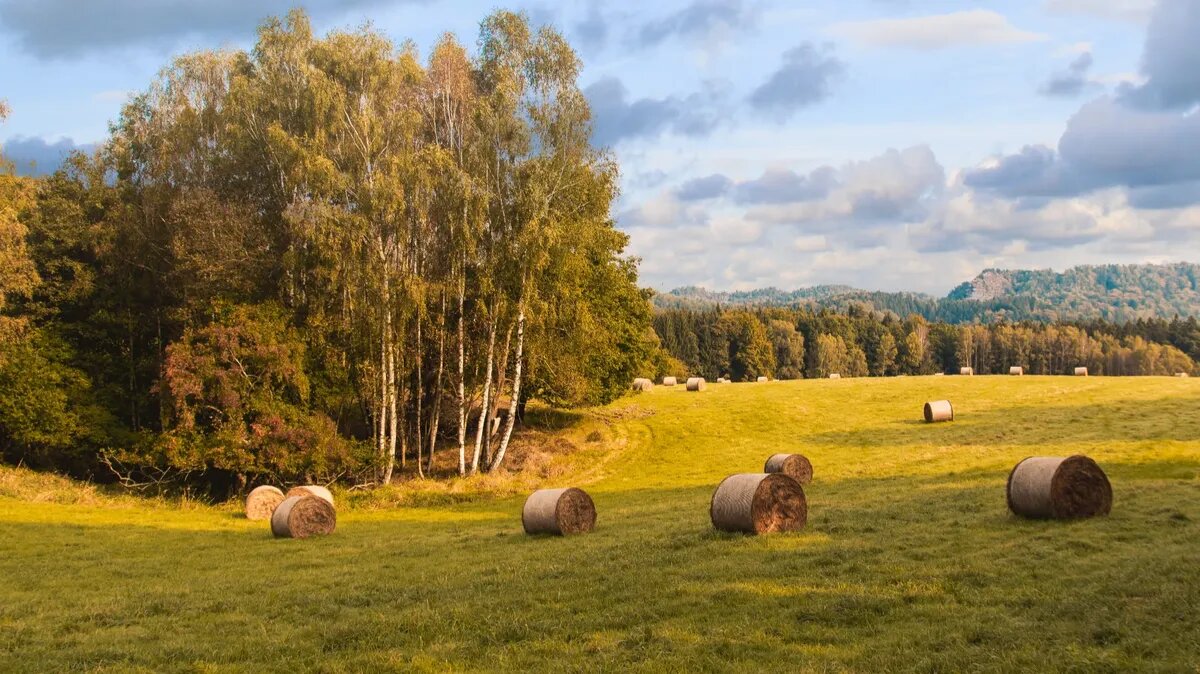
(910, 560)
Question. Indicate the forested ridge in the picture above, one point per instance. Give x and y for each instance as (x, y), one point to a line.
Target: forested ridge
(322, 258)
(1117, 293)
(744, 344)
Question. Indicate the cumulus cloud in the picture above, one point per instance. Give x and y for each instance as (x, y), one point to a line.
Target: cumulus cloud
(1072, 81)
(1105, 144)
(781, 186)
(1170, 58)
(54, 29)
(805, 78)
(896, 186)
(37, 156)
(894, 221)
(970, 27)
(700, 189)
(703, 20)
(617, 118)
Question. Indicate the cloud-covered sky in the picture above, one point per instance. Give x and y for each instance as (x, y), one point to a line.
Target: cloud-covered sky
(897, 145)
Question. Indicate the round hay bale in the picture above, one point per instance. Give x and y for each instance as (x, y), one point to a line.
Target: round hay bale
(795, 466)
(642, 384)
(939, 410)
(1081, 372)
(1182, 374)
(1016, 370)
(968, 371)
(1058, 488)
(670, 381)
(262, 501)
(302, 516)
(558, 511)
(695, 384)
(835, 375)
(763, 379)
(758, 503)
(312, 490)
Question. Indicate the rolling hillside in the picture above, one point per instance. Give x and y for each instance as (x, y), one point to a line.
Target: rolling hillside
(910, 560)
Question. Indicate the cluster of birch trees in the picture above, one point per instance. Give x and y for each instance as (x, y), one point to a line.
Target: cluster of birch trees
(433, 233)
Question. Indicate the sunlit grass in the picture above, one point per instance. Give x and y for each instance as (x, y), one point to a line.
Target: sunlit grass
(910, 560)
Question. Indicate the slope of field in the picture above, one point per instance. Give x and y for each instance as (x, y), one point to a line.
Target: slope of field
(910, 560)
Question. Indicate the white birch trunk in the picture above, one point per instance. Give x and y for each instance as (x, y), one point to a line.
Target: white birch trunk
(462, 385)
(487, 390)
(516, 390)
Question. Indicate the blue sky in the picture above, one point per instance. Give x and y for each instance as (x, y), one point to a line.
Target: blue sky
(887, 144)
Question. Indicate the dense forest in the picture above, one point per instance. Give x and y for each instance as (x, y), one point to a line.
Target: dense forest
(1116, 293)
(743, 344)
(322, 258)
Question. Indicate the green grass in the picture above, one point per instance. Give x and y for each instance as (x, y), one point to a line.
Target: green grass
(909, 562)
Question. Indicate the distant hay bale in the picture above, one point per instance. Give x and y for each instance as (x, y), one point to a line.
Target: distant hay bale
(795, 466)
(670, 381)
(1182, 374)
(558, 511)
(302, 516)
(967, 371)
(1057, 488)
(763, 379)
(835, 375)
(758, 503)
(939, 410)
(312, 490)
(939, 374)
(1081, 372)
(262, 501)
(721, 380)
(1016, 370)
(642, 384)
(695, 384)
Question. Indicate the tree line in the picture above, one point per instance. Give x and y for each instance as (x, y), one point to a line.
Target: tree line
(322, 257)
(744, 344)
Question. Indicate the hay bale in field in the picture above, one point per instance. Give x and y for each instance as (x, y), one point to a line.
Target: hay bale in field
(763, 379)
(1058, 488)
(642, 384)
(312, 490)
(262, 501)
(939, 410)
(758, 503)
(967, 371)
(1182, 374)
(1016, 370)
(795, 466)
(302, 516)
(558, 511)
(1081, 372)
(939, 374)
(835, 375)
(695, 384)
(670, 381)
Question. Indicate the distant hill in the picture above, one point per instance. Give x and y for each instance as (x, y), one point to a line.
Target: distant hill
(1111, 292)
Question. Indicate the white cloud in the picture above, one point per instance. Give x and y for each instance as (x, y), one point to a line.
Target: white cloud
(972, 27)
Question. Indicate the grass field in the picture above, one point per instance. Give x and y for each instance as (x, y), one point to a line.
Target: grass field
(909, 562)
